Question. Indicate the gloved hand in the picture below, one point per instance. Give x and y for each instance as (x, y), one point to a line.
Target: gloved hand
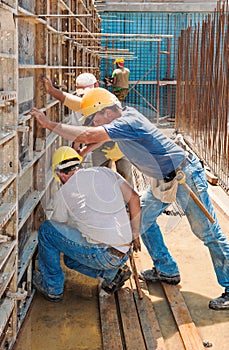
(113, 153)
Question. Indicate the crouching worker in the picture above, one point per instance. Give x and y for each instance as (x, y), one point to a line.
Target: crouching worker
(89, 225)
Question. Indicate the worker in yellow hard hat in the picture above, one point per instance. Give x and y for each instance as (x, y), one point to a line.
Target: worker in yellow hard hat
(160, 159)
(89, 225)
(120, 79)
(65, 160)
(108, 154)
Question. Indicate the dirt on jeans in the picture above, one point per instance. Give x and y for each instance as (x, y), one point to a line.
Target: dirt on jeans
(74, 324)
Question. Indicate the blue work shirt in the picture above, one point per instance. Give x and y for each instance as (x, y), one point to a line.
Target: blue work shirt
(146, 147)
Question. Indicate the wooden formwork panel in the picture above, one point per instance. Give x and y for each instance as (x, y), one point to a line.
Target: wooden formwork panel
(26, 42)
(10, 3)
(54, 57)
(8, 111)
(26, 86)
(25, 186)
(31, 47)
(7, 82)
(7, 333)
(40, 53)
(24, 233)
(8, 156)
(25, 142)
(7, 34)
(29, 5)
(54, 22)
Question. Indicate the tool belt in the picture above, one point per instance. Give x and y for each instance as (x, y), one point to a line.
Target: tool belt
(172, 174)
(166, 189)
(116, 252)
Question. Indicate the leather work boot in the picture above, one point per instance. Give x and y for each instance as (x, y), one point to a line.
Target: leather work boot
(151, 275)
(37, 282)
(123, 275)
(220, 303)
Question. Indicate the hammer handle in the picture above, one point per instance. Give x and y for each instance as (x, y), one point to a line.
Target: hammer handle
(198, 202)
(135, 273)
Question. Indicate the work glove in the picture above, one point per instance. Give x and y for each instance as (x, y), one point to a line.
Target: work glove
(113, 153)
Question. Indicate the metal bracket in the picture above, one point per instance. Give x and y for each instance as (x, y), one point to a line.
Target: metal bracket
(21, 294)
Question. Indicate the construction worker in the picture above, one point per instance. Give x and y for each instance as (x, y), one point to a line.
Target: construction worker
(120, 79)
(107, 154)
(159, 158)
(89, 225)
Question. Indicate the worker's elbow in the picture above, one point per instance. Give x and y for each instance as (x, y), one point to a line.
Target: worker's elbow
(86, 137)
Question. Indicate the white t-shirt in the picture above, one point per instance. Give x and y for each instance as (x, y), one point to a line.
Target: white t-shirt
(92, 201)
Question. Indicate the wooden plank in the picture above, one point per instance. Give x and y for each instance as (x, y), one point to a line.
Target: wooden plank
(109, 323)
(147, 316)
(149, 324)
(212, 179)
(188, 331)
(131, 328)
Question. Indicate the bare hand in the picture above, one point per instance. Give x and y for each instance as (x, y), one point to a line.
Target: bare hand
(48, 85)
(136, 244)
(40, 117)
(76, 146)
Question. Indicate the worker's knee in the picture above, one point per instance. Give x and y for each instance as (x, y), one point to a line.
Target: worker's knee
(44, 230)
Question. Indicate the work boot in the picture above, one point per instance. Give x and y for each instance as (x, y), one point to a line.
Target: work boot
(37, 282)
(151, 275)
(220, 303)
(122, 275)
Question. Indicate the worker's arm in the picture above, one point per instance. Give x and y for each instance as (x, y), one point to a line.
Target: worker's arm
(132, 198)
(90, 148)
(81, 134)
(69, 100)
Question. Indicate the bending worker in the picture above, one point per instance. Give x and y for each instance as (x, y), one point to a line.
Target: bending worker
(89, 225)
(105, 153)
(159, 158)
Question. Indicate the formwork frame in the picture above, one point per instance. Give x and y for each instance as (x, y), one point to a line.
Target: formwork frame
(34, 42)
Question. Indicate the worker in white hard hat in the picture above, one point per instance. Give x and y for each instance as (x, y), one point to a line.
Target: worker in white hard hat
(89, 225)
(161, 160)
(120, 79)
(107, 154)
(85, 81)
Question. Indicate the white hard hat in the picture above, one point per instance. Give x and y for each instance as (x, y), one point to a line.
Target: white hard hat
(85, 79)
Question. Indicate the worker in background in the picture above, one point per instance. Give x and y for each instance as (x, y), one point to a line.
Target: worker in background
(159, 158)
(107, 154)
(120, 79)
(89, 225)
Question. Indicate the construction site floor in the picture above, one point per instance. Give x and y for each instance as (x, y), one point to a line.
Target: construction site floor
(75, 323)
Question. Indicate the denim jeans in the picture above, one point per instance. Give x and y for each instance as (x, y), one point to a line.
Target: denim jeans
(210, 234)
(89, 259)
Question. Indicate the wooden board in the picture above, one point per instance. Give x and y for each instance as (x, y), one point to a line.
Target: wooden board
(132, 333)
(109, 323)
(131, 320)
(188, 331)
(147, 316)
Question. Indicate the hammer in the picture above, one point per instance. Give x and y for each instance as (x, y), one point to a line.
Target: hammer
(135, 274)
(180, 176)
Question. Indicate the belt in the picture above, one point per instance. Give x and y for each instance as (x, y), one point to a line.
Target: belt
(172, 174)
(116, 252)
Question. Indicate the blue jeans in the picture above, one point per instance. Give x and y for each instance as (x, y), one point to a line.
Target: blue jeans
(89, 259)
(210, 234)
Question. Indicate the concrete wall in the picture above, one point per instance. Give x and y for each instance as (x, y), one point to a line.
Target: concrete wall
(156, 6)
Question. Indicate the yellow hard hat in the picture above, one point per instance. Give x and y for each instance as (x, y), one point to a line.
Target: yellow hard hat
(119, 60)
(64, 157)
(95, 100)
